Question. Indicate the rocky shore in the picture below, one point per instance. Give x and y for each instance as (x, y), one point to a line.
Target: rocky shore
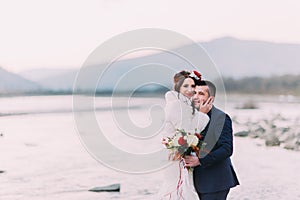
(275, 130)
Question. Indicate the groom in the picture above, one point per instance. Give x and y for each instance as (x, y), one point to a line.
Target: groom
(213, 171)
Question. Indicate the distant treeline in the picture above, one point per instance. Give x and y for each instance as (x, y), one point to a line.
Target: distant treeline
(287, 84)
(277, 85)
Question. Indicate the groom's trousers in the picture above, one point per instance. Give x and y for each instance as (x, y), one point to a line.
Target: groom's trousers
(221, 195)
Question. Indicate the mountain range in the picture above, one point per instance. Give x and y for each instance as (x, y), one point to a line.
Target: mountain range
(14, 84)
(233, 57)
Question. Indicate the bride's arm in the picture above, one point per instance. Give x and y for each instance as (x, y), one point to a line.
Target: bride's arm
(172, 119)
(202, 120)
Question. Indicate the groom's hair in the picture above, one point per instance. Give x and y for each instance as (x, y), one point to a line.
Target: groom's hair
(211, 87)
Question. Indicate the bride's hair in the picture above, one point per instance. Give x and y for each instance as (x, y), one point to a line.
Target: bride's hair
(180, 75)
(179, 78)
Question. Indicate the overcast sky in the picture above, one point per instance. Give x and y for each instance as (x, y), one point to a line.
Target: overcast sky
(62, 33)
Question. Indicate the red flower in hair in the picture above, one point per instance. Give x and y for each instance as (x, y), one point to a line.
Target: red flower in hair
(197, 74)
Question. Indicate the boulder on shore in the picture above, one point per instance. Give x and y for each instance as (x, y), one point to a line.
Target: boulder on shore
(108, 188)
(242, 134)
(291, 146)
(272, 140)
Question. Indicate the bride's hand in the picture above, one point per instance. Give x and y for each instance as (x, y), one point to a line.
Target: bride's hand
(206, 107)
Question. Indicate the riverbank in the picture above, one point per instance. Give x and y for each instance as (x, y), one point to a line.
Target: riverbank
(43, 158)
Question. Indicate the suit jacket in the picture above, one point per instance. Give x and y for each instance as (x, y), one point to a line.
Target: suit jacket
(216, 172)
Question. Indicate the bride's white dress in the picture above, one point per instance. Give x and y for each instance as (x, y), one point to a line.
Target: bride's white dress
(178, 181)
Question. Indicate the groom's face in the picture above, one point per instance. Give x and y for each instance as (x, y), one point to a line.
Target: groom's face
(201, 94)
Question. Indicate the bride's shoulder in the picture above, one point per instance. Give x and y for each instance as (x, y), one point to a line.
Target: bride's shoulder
(172, 101)
(171, 96)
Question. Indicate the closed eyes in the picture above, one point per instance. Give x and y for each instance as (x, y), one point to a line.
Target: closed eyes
(186, 85)
(199, 93)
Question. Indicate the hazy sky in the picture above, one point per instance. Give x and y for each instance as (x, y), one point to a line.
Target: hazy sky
(62, 33)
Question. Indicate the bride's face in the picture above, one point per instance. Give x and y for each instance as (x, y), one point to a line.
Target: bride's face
(188, 87)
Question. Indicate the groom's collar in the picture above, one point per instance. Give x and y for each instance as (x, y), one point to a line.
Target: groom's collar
(209, 113)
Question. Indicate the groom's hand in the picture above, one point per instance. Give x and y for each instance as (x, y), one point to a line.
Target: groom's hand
(191, 161)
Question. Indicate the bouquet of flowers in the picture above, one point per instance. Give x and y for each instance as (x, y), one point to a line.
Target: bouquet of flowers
(184, 143)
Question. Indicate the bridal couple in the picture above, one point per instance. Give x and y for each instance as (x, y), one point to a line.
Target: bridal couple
(189, 107)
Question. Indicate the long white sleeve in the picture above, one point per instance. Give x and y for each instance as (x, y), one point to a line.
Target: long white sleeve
(178, 115)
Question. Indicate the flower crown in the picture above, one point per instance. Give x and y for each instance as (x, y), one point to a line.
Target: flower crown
(196, 75)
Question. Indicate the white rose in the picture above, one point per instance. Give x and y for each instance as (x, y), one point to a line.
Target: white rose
(192, 140)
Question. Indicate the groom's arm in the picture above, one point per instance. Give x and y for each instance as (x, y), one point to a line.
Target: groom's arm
(224, 146)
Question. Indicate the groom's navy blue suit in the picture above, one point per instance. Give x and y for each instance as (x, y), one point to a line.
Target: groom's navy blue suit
(215, 172)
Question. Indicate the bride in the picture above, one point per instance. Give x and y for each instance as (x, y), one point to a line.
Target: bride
(180, 114)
